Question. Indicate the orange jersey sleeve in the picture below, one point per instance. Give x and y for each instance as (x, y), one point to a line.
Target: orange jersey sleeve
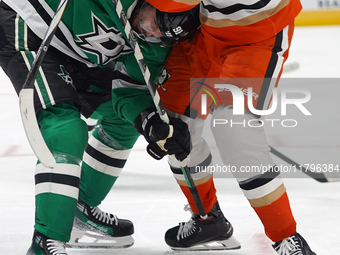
(174, 5)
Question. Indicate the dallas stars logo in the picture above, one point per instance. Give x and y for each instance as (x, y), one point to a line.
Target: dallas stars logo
(65, 75)
(106, 43)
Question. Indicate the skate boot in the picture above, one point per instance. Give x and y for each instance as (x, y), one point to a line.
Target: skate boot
(213, 233)
(93, 228)
(293, 245)
(42, 245)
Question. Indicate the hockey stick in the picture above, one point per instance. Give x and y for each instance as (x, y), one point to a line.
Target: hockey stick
(156, 98)
(26, 96)
(318, 176)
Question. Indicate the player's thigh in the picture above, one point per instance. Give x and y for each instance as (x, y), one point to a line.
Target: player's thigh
(241, 145)
(257, 66)
(116, 132)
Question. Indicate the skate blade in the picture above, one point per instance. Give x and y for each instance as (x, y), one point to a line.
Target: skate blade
(229, 244)
(92, 240)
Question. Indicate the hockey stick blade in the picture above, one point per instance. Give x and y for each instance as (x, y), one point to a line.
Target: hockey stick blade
(318, 176)
(26, 96)
(32, 128)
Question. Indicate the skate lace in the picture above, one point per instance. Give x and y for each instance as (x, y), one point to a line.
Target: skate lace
(104, 216)
(188, 208)
(289, 246)
(187, 228)
(55, 247)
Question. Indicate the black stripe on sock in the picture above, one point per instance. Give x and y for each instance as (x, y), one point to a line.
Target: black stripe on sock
(57, 178)
(101, 157)
(260, 180)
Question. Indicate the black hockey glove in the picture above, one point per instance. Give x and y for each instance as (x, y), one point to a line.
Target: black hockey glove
(163, 139)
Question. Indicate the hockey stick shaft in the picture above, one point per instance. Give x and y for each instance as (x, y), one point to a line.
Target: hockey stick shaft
(156, 98)
(29, 83)
(26, 96)
(320, 177)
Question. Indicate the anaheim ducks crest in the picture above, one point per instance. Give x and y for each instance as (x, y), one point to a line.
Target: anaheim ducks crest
(162, 78)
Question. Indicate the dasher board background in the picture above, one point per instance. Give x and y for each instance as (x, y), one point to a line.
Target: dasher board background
(319, 12)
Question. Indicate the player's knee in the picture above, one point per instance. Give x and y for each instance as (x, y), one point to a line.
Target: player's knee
(63, 130)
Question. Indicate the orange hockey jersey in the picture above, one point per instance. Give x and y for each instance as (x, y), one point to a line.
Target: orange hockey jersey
(238, 22)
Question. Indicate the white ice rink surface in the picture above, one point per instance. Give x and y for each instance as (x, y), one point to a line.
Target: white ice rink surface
(147, 194)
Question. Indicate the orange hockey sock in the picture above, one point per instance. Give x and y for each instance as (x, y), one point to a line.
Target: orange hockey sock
(277, 218)
(207, 194)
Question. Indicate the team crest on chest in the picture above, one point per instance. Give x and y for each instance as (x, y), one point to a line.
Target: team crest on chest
(162, 78)
(107, 43)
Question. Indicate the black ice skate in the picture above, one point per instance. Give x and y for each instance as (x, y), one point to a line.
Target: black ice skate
(213, 233)
(42, 245)
(293, 245)
(93, 228)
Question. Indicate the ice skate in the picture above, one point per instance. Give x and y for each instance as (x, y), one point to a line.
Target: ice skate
(213, 233)
(293, 245)
(93, 228)
(42, 245)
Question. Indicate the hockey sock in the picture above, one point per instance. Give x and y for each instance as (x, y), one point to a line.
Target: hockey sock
(57, 189)
(207, 193)
(104, 158)
(101, 167)
(56, 198)
(277, 218)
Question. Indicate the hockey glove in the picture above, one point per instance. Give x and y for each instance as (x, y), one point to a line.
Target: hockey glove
(164, 139)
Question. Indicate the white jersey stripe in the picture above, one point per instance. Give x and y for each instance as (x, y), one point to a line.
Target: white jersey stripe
(16, 40)
(45, 84)
(28, 65)
(28, 13)
(242, 17)
(278, 67)
(25, 36)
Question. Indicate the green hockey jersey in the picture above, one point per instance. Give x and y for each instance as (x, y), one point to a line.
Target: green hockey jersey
(91, 32)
